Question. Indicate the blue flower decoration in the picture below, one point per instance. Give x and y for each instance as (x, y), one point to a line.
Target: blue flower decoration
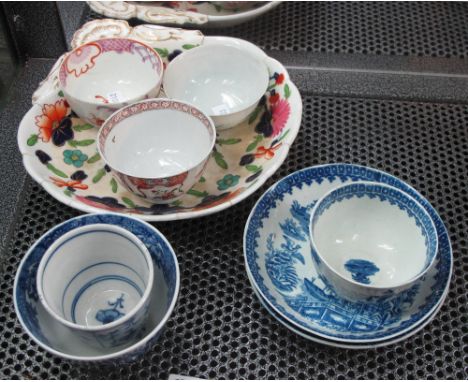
(228, 181)
(74, 157)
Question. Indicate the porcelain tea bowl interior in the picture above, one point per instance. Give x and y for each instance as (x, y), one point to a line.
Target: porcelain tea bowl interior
(224, 81)
(96, 281)
(157, 148)
(102, 76)
(371, 240)
(59, 340)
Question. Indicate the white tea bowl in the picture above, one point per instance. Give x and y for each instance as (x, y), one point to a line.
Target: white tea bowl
(96, 281)
(370, 240)
(100, 77)
(224, 81)
(157, 148)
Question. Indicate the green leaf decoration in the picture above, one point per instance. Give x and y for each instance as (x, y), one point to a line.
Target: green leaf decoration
(68, 193)
(202, 180)
(284, 135)
(79, 128)
(254, 144)
(32, 140)
(218, 7)
(60, 93)
(56, 171)
(219, 159)
(254, 114)
(128, 202)
(287, 91)
(176, 203)
(189, 46)
(253, 168)
(84, 142)
(101, 172)
(230, 141)
(163, 52)
(196, 193)
(94, 158)
(271, 86)
(114, 186)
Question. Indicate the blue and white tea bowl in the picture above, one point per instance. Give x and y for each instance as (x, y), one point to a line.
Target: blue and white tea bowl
(371, 240)
(280, 266)
(96, 280)
(57, 339)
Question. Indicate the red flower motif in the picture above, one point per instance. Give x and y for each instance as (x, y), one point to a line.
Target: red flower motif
(263, 152)
(50, 118)
(280, 112)
(75, 184)
(279, 80)
(274, 98)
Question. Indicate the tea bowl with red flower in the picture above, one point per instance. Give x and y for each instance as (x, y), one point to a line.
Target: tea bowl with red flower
(157, 148)
(100, 77)
(224, 81)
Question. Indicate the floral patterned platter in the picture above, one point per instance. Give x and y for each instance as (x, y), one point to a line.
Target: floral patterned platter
(195, 13)
(59, 150)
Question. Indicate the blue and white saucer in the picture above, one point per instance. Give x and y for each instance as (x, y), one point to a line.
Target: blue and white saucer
(343, 344)
(281, 269)
(53, 337)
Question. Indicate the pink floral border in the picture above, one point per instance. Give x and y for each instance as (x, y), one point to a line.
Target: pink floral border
(157, 104)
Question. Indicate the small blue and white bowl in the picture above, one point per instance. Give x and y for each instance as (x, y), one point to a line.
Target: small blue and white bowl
(59, 340)
(96, 281)
(370, 240)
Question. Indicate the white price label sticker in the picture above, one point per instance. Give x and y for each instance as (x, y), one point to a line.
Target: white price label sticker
(220, 109)
(114, 97)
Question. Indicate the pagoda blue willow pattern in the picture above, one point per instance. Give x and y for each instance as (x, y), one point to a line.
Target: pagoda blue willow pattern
(317, 298)
(281, 266)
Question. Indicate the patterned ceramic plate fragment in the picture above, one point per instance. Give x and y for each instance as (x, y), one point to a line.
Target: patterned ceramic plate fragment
(280, 265)
(59, 151)
(195, 13)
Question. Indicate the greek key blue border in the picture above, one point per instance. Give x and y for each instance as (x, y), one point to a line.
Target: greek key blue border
(393, 196)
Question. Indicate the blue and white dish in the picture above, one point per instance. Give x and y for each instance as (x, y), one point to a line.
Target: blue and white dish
(371, 240)
(53, 337)
(342, 344)
(96, 280)
(280, 265)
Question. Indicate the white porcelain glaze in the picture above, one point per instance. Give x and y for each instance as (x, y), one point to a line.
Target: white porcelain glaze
(96, 281)
(222, 80)
(157, 148)
(101, 76)
(371, 239)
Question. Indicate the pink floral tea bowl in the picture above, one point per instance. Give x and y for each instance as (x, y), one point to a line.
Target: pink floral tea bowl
(102, 76)
(157, 148)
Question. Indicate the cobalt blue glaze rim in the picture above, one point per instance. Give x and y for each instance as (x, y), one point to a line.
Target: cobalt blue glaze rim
(28, 267)
(343, 172)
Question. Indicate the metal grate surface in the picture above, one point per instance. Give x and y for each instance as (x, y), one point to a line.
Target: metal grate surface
(378, 28)
(219, 329)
